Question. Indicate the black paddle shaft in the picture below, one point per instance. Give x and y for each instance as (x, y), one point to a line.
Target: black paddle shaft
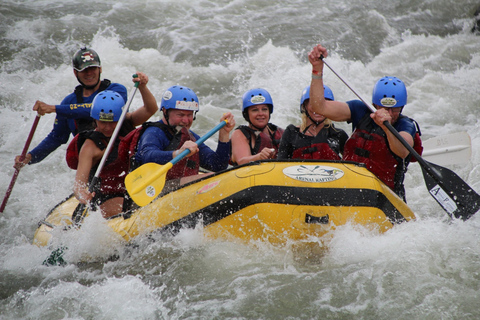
(455, 196)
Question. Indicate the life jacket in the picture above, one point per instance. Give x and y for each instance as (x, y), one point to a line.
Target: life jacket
(73, 149)
(263, 140)
(368, 144)
(324, 146)
(128, 145)
(188, 166)
(87, 124)
(112, 175)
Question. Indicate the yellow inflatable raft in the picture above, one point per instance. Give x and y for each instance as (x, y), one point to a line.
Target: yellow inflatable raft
(272, 201)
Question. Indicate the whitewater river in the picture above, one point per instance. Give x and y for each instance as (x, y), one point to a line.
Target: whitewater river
(427, 269)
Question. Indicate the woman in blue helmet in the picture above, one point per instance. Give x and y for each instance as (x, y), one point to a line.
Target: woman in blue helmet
(164, 140)
(106, 110)
(371, 142)
(316, 138)
(260, 139)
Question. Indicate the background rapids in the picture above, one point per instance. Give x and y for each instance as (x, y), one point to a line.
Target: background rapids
(424, 269)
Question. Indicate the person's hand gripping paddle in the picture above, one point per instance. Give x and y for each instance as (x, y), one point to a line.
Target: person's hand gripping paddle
(146, 182)
(453, 194)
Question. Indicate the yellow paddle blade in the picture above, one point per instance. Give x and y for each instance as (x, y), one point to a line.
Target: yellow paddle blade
(146, 182)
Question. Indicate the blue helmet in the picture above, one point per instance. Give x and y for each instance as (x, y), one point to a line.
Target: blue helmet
(107, 106)
(181, 98)
(327, 93)
(255, 97)
(389, 92)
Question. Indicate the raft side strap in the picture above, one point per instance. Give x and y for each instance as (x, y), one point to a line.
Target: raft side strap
(362, 152)
(310, 150)
(366, 136)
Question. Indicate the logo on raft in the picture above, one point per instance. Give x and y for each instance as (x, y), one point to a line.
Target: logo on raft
(317, 173)
(208, 187)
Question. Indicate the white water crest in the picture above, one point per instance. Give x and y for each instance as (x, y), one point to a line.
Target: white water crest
(426, 269)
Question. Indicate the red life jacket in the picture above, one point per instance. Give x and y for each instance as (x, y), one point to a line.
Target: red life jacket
(116, 166)
(318, 151)
(263, 140)
(188, 166)
(320, 147)
(113, 173)
(369, 145)
(73, 149)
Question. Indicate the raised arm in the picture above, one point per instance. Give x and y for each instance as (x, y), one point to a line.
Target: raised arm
(149, 107)
(334, 110)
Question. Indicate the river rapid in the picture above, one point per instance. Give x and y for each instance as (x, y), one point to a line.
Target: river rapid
(425, 269)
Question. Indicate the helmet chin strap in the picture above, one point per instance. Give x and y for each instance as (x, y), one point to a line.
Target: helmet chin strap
(165, 115)
(309, 117)
(257, 128)
(175, 129)
(89, 87)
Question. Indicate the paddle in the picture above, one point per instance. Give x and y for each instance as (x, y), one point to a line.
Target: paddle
(22, 157)
(454, 148)
(81, 210)
(146, 182)
(453, 194)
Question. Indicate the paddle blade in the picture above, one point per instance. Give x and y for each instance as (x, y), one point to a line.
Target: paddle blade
(146, 182)
(456, 197)
(79, 213)
(454, 148)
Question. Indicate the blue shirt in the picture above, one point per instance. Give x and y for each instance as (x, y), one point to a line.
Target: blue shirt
(153, 142)
(358, 110)
(67, 111)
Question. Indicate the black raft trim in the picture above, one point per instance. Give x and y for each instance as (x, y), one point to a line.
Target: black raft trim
(286, 195)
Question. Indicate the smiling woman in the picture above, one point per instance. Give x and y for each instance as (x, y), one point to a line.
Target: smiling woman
(260, 139)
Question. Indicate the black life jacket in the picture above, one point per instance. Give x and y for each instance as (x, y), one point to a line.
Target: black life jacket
(87, 124)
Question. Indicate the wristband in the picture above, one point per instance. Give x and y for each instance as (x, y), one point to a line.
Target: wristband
(316, 76)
